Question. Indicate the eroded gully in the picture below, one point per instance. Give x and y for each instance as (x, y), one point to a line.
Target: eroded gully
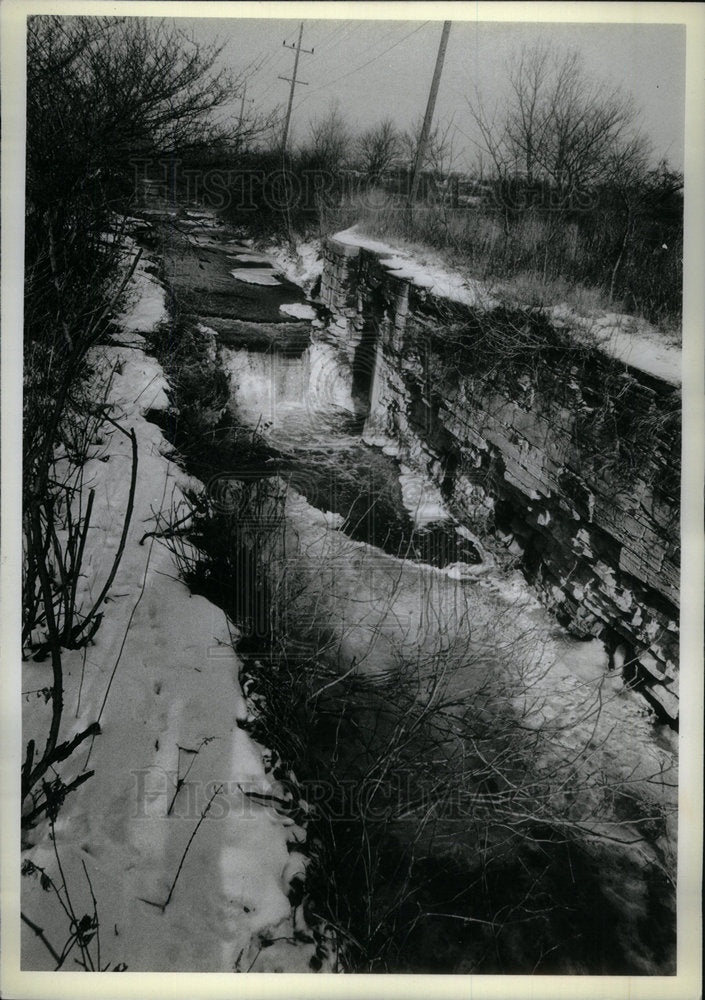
(383, 572)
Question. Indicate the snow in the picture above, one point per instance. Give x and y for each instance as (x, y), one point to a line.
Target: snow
(160, 213)
(422, 500)
(160, 674)
(146, 302)
(251, 258)
(631, 340)
(301, 310)
(465, 571)
(255, 276)
(634, 342)
(301, 267)
(437, 279)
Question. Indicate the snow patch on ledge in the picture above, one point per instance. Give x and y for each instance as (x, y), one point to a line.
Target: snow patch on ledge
(438, 280)
(251, 258)
(422, 500)
(301, 310)
(626, 338)
(145, 306)
(255, 276)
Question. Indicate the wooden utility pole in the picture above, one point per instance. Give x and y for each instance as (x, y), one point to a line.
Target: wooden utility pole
(243, 98)
(242, 105)
(428, 117)
(293, 81)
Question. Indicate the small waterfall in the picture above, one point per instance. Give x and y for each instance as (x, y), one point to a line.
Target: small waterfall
(295, 399)
(376, 422)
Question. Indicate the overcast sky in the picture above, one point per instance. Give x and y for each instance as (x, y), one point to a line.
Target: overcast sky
(384, 68)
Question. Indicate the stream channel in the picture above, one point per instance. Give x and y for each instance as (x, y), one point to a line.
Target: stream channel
(493, 739)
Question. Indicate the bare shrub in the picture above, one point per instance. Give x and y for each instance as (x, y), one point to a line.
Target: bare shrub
(331, 140)
(443, 821)
(84, 931)
(619, 429)
(99, 91)
(379, 148)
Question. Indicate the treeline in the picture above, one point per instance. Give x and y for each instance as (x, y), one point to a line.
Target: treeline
(564, 187)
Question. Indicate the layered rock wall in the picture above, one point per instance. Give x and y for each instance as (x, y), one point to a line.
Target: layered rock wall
(567, 459)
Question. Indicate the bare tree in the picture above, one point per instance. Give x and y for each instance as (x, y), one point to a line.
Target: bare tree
(101, 90)
(527, 121)
(559, 126)
(379, 148)
(440, 154)
(330, 138)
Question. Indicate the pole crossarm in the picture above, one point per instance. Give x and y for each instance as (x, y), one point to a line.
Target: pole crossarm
(287, 45)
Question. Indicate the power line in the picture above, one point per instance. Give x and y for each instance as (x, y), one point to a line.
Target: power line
(273, 83)
(348, 32)
(264, 60)
(339, 29)
(357, 69)
(379, 55)
(360, 25)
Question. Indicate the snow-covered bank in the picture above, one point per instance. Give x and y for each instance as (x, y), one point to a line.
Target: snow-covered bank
(162, 679)
(624, 337)
(439, 279)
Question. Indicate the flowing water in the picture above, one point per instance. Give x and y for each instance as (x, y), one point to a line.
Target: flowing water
(409, 601)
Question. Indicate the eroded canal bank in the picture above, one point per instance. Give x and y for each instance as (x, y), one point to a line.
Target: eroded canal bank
(482, 783)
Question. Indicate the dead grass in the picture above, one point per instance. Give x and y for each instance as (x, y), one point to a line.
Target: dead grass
(528, 261)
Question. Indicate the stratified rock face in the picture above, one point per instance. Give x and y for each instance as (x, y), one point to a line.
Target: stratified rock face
(567, 458)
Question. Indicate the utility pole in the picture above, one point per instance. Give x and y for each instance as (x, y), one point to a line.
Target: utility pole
(243, 98)
(428, 117)
(242, 105)
(293, 81)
